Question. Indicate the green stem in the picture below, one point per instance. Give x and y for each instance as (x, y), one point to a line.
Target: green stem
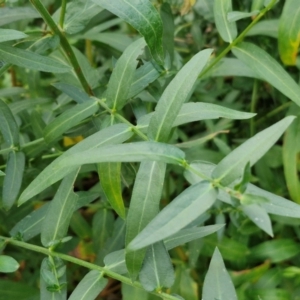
(83, 264)
(64, 44)
(62, 13)
(274, 112)
(238, 39)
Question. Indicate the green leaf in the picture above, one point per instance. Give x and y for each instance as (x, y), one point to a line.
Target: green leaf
(277, 205)
(143, 16)
(122, 76)
(115, 262)
(8, 264)
(157, 271)
(52, 173)
(238, 15)
(89, 287)
(57, 220)
(290, 151)
(186, 235)
(265, 27)
(17, 290)
(2, 173)
(13, 178)
(69, 118)
(72, 91)
(268, 68)
(30, 226)
(10, 35)
(80, 226)
(185, 208)
(132, 293)
(144, 206)
(217, 282)
(12, 14)
(131, 152)
(227, 30)
(8, 125)
(259, 216)
(143, 76)
(276, 250)
(232, 166)
(31, 60)
(289, 32)
(176, 93)
(257, 4)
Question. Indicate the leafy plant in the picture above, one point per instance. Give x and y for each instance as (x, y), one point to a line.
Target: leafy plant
(150, 99)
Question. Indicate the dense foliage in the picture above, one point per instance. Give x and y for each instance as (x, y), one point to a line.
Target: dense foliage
(149, 149)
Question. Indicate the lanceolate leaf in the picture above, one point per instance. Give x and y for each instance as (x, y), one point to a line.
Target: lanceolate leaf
(10, 34)
(110, 179)
(56, 222)
(69, 119)
(238, 15)
(143, 16)
(289, 32)
(31, 60)
(268, 68)
(13, 178)
(186, 207)
(265, 27)
(131, 152)
(89, 287)
(144, 206)
(115, 134)
(232, 166)
(8, 264)
(12, 14)
(290, 150)
(217, 282)
(196, 111)
(123, 74)
(8, 125)
(176, 93)
(132, 293)
(186, 235)
(157, 271)
(227, 30)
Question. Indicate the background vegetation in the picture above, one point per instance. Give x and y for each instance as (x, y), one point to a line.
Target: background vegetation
(146, 145)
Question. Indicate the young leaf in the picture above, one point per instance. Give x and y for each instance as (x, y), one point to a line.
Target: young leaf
(89, 287)
(122, 76)
(57, 220)
(131, 152)
(144, 206)
(176, 93)
(227, 30)
(186, 235)
(13, 178)
(10, 35)
(31, 60)
(8, 264)
(288, 35)
(143, 16)
(217, 282)
(290, 151)
(186, 207)
(69, 118)
(157, 271)
(110, 180)
(259, 216)
(8, 125)
(12, 14)
(112, 135)
(231, 167)
(268, 68)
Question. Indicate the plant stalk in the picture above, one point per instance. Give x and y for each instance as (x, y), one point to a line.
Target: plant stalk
(62, 13)
(64, 44)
